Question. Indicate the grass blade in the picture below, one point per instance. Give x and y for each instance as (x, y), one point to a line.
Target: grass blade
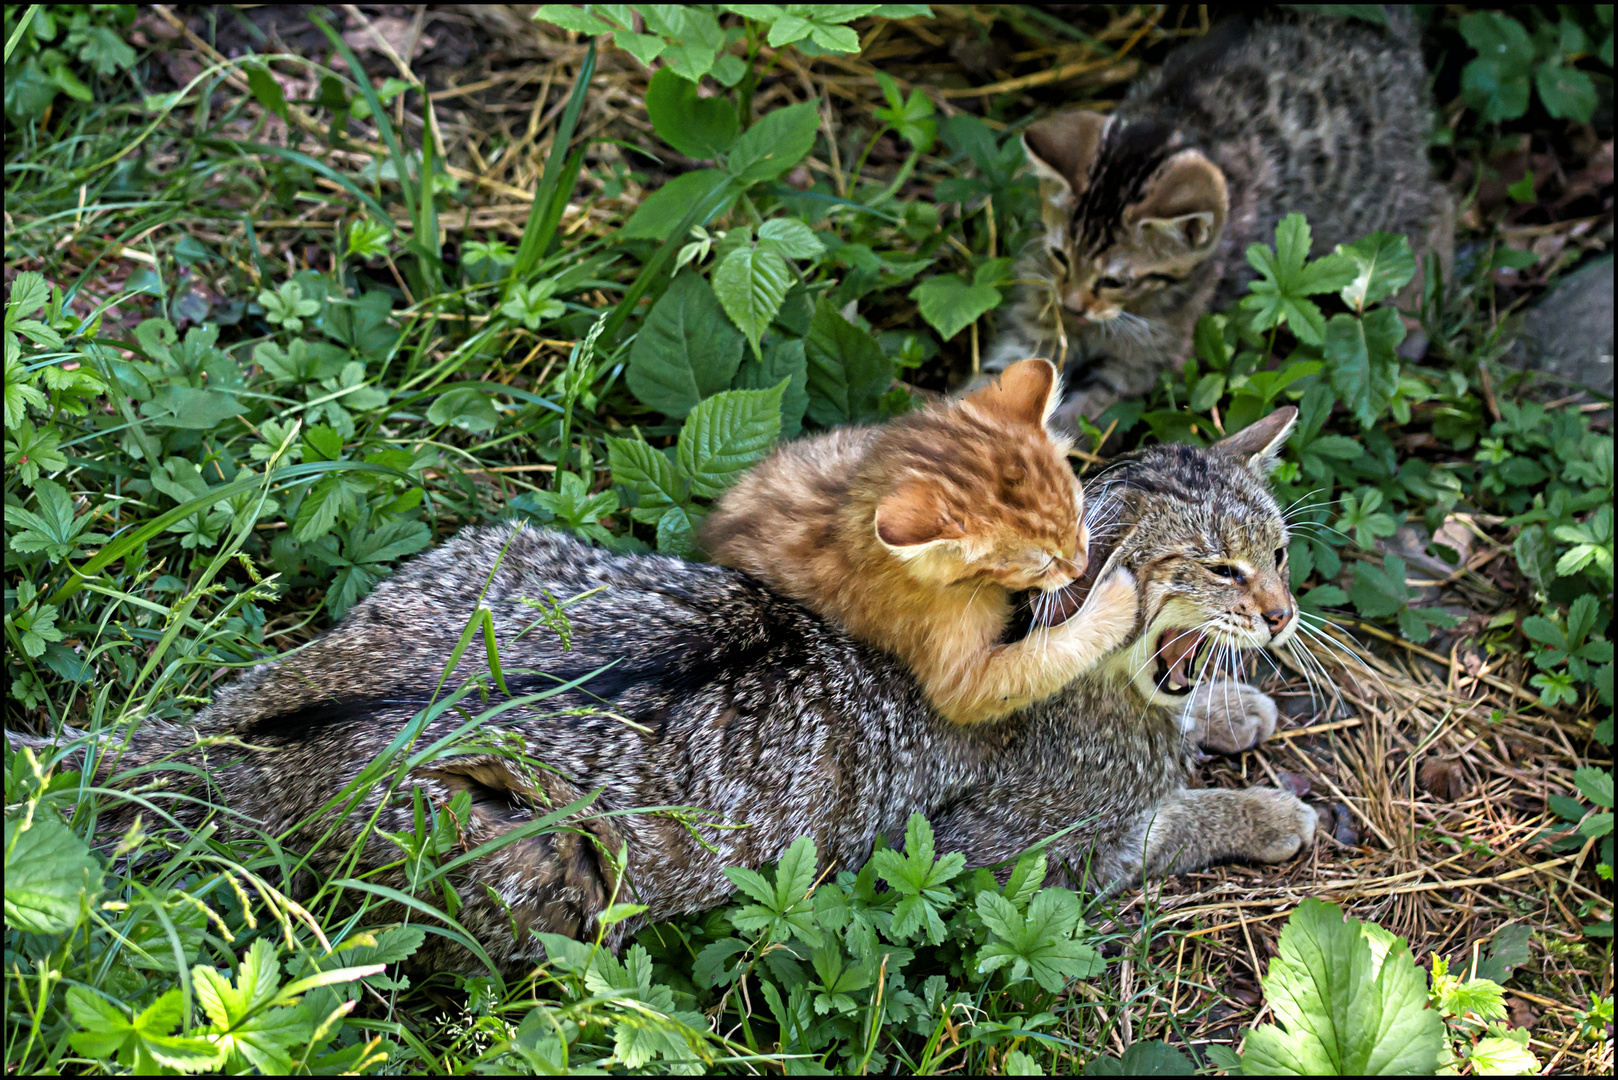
(536, 238)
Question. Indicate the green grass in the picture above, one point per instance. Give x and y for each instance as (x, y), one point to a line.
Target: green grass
(257, 355)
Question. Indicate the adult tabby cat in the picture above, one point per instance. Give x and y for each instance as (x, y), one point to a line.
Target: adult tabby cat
(719, 695)
(1148, 211)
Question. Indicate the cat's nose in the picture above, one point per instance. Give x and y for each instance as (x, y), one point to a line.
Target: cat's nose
(1277, 619)
(1076, 301)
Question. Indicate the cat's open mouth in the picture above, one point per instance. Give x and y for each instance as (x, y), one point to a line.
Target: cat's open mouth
(1178, 650)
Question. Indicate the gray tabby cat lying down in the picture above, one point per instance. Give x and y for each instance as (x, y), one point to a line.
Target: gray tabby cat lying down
(723, 697)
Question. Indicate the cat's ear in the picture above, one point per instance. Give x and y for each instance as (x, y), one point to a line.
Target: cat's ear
(1257, 444)
(1182, 210)
(1060, 150)
(913, 516)
(1027, 393)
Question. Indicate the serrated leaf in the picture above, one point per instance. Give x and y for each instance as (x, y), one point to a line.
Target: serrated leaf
(1383, 264)
(28, 294)
(782, 360)
(727, 434)
(646, 469)
(686, 351)
(1361, 360)
(1380, 592)
(790, 238)
(779, 140)
(1349, 999)
(569, 17)
(1496, 1056)
(751, 283)
(848, 372)
(50, 875)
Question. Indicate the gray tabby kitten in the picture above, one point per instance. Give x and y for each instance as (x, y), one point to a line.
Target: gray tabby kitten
(1148, 212)
(710, 692)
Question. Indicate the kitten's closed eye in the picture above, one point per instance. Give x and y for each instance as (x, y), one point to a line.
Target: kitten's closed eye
(1110, 282)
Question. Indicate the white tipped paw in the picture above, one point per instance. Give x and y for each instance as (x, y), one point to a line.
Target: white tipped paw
(1282, 825)
(1113, 601)
(1228, 717)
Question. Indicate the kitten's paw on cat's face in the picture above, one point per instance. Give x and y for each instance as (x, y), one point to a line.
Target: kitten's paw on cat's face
(1226, 717)
(1281, 824)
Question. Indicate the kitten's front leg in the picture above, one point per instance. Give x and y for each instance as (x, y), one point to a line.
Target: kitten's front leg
(1100, 626)
(1228, 717)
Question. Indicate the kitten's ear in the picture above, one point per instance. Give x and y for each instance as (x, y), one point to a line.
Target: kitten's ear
(1182, 211)
(1257, 444)
(1060, 149)
(1027, 393)
(914, 515)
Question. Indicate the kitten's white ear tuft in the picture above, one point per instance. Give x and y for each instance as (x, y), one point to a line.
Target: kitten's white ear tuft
(1258, 444)
(1061, 149)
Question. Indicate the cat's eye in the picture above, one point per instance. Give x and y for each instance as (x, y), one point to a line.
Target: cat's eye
(1110, 282)
(1280, 557)
(1060, 256)
(1229, 572)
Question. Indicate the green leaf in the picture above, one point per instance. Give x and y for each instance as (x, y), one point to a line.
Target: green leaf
(921, 880)
(1507, 951)
(950, 305)
(700, 128)
(144, 1045)
(1383, 264)
(266, 90)
(466, 408)
(726, 434)
(848, 372)
(190, 408)
(782, 360)
(1350, 1001)
(1568, 93)
(1144, 1059)
(31, 451)
(790, 238)
(751, 283)
(51, 526)
(1496, 83)
(1595, 785)
(29, 293)
(664, 208)
(686, 351)
(1496, 1056)
(1038, 943)
(783, 907)
(1379, 593)
(1286, 279)
(1362, 363)
(779, 140)
(50, 874)
(569, 17)
(647, 470)
(643, 47)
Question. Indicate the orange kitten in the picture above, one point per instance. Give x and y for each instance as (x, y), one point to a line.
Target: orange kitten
(913, 536)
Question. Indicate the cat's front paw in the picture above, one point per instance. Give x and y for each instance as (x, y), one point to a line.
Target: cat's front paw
(1111, 607)
(1280, 824)
(1227, 717)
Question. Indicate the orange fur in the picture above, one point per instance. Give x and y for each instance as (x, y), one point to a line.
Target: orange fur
(913, 535)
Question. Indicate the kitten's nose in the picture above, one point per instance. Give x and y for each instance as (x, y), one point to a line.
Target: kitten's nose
(1076, 301)
(1277, 618)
